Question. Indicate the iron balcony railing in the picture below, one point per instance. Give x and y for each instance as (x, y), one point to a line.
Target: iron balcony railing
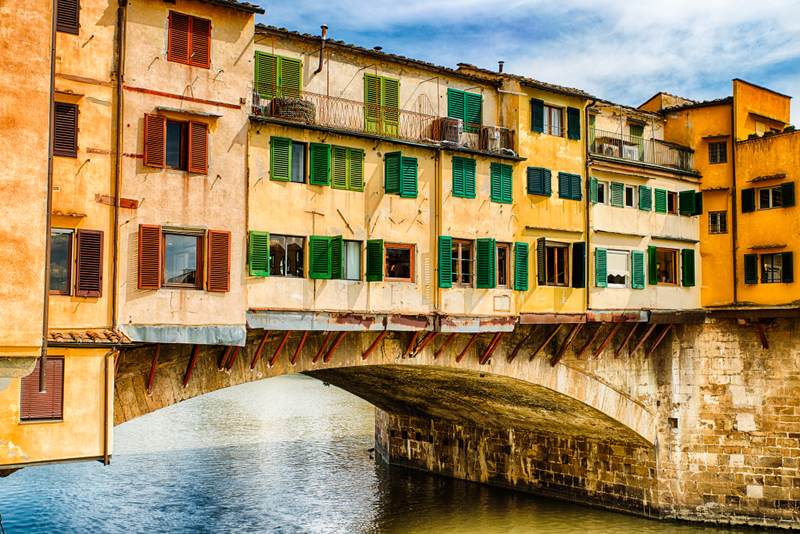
(633, 148)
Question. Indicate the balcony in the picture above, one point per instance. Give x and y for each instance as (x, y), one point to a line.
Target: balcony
(632, 148)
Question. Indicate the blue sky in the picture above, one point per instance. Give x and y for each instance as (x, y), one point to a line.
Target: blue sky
(621, 51)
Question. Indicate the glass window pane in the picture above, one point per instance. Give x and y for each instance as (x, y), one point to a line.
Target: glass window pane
(298, 162)
(550, 256)
(60, 261)
(180, 259)
(777, 197)
(556, 120)
(617, 265)
(561, 265)
(502, 264)
(763, 198)
(277, 255)
(398, 263)
(352, 260)
(175, 157)
(294, 256)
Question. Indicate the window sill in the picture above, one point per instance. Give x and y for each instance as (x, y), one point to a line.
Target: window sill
(39, 421)
(407, 280)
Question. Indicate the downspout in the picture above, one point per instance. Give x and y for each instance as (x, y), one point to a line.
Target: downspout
(49, 201)
(734, 220)
(322, 48)
(118, 74)
(437, 227)
(587, 222)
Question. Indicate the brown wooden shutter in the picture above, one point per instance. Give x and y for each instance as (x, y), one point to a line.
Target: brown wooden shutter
(155, 140)
(66, 130)
(68, 17)
(34, 405)
(200, 43)
(89, 260)
(198, 147)
(178, 39)
(149, 256)
(219, 260)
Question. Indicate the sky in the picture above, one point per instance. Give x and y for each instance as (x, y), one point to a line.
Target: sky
(624, 51)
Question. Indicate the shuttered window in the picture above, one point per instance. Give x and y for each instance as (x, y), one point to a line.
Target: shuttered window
(374, 272)
(347, 168)
(661, 201)
(569, 186)
(502, 183)
(60, 261)
(381, 105)
(180, 145)
(539, 181)
(155, 140)
(65, 127)
(219, 261)
(600, 267)
(751, 268)
(280, 161)
(68, 19)
(617, 194)
(467, 107)
(392, 164)
(463, 177)
(258, 253)
(400, 175)
(537, 115)
(445, 261)
(579, 264)
(645, 198)
(189, 40)
(198, 148)
(277, 76)
(686, 203)
(573, 123)
(35, 406)
(521, 266)
(149, 256)
(320, 168)
(637, 269)
(89, 263)
(319, 257)
(652, 266)
(687, 267)
(486, 263)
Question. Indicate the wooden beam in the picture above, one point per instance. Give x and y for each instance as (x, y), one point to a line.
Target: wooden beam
(590, 342)
(259, 350)
(117, 361)
(374, 345)
(664, 331)
(299, 348)
(643, 338)
(278, 350)
(491, 348)
(334, 346)
(570, 337)
(544, 343)
(469, 344)
(522, 341)
(411, 343)
(449, 339)
(604, 345)
(321, 350)
(223, 363)
(762, 334)
(153, 364)
(190, 368)
(427, 340)
(234, 355)
(625, 341)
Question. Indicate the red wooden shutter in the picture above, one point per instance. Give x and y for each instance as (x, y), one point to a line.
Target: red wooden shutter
(89, 259)
(66, 130)
(178, 39)
(200, 43)
(149, 256)
(155, 140)
(34, 405)
(219, 260)
(68, 18)
(198, 147)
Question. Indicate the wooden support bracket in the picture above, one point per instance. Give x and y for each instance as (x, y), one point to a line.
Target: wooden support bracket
(299, 348)
(411, 343)
(583, 350)
(491, 348)
(223, 363)
(427, 340)
(324, 344)
(544, 343)
(279, 349)
(519, 345)
(664, 331)
(117, 360)
(259, 350)
(471, 342)
(643, 338)
(334, 346)
(447, 341)
(599, 350)
(762, 334)
(232, 360)
(625, 341)
(190, 367)
(570, 337)
(374, 345)
(152, 375)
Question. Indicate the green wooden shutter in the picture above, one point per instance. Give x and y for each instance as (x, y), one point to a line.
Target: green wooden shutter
(536, 181)
(537, 115)
(372, 102)
(751, 268)
(291, 77)
(541, 261)
(787, 194)
(337, 257)
(573, 123)
(258, 253)
(787, 275)
(473, 103)
(575, 187)
(579, 264)
(445, 258)
(645, 198)
(319, 257)
(520, 266)
(652, 266)
(748, 200)
(502, 187)
(469, 178)
(339, 167)
(637, 268)
(374, 272)
(698, 203)
(661, 201)
(593, 190)
(458, 177)
(390, 106)
(617, 194)
(686, 202)
(280, 161)
(486, 263)
(687, 267)
(408, 178)
(496, 177)
(392, 169)
(266, 70)
(548, 179)
(600, 267)
(455, 104)
(320, 164)
(355, 169)
(563, 185)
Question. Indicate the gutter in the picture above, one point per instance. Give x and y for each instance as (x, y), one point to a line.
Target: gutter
(118, 73)
(734, 218)
(587, 222)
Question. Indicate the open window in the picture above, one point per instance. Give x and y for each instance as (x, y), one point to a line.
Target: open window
(399, 262)
(286, 255)
(175, 144)
(462, 262)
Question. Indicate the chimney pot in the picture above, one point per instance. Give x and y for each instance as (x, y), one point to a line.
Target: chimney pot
(500, 66)
(324, 28)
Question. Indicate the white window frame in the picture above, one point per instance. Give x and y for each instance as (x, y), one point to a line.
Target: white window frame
(606, 191)
(627, 255)
(714, 218)
(632, 189)
(772, 191)
(549, 127)
(346, 275)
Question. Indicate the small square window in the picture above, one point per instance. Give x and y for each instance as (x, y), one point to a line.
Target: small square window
(718, 222)
(400, 262)
(183, 260)
(617, 266)
(770, 197)
(352, 260)
(718, 152)
(771, 268)
(286, 256)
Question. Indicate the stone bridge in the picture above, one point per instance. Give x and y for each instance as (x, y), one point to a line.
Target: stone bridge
(696, 422)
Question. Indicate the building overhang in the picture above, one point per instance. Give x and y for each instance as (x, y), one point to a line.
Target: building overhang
(326, 321)
(228, 335)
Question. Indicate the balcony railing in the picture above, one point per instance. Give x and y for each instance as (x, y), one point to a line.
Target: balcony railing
(633, 148)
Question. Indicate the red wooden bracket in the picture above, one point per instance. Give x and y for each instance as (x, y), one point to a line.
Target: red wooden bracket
(324, 344)
(520, 344)
(152, 376)
(374, 345)
(625, 341)
(299, 348)
(599, 350)
(232, 359)
(491, 348)
(544, 343)
(190, 367)
(449, 339)
(117, 360)
(427, 340)
(643, 338)
(570, 337)
(410, 346)
(666, 330)
(583, 350)
(468, 346)
(259, 350)
(223, 363)
(334, 346)
(278, 350)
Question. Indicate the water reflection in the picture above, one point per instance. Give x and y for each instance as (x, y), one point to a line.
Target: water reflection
(283, 455)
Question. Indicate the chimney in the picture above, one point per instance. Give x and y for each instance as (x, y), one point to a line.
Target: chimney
(324, 28)
(500, 66)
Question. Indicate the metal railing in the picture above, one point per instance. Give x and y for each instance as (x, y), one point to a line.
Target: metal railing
(633, 148)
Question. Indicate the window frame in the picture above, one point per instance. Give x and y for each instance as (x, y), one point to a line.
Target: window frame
(558, 246)
(507, 247)
(200, 259)
(67, 26)
(34, 376)
(672, 197)
(716, 154)
(634, 201)
(721, 220)
(412, 256)
(674, 253)
(764, 279)
(189, 38)
(549, 111)
(303, 241)
(605, 185)
(628, 268)
(70, 259)
(304, 170)
(772, 189)
(359, 247)
(456, 255)
(184, 141)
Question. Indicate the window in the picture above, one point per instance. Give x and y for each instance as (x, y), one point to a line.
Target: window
(189, 40)
(718, 152)
(400, 175)
(66, 130)
(68, 18)
(645, 198)
(503, 264)
(35, 406)
(781, 196)
(636, 131)
(557, 264)
(617, 274)
(183, 264)
(298, 163)
(286, 256)
(666, 266)
(467, 107)
(630, 196)
(381, 105)
(277, 76)
(539, 181)
(462, 262)
(569, 186)
(88, 261)
(501, 183)
(352, 260)
(774, 268)
(770, 197)
(60, 261)
(599, 192)
(661, 200)
(347, 168)
(463, 177)
(771, 268)
(617, 196)
(718, 222)
(553, 121)
(400, 262)
(177, 147)
(181, 145)
(602, 196)
(672, 202)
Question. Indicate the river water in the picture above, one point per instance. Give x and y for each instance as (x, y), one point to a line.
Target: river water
(287, 454)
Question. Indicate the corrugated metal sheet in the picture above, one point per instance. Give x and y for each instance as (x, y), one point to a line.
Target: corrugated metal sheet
(235, 335)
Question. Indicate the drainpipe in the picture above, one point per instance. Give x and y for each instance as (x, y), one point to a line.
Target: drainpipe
(322, 48)
(118, 74)
(437, 227)
(49, 201)
(587, 222)
(734, 220)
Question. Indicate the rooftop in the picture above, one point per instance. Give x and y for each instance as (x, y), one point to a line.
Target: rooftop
(236, 4)
(100, 337)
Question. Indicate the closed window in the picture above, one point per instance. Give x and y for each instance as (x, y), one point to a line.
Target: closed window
(666, 266)
(718, 152)
(718, 222)
(771, 268)
(277, 76)
(503, 264)
(65, 127)
(618, 270)
(183, 254)
(400, 262)
(60, 262)
(557, 264)
(467, 107)
(35, 406)
(462, 262)
(770, 197)
(381, 105)
(630, 196)
(298, 162)
(352, 260)
(68, 18)
(553, 121)
(286, 256)
(189, 40)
